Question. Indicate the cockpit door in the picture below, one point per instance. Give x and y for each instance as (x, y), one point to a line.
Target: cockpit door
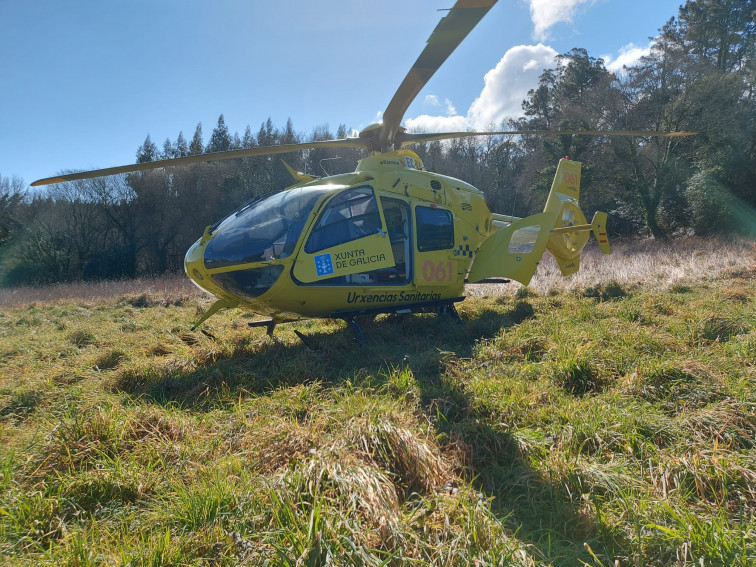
(348, 237)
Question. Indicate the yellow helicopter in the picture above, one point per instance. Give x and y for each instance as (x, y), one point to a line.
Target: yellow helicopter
(389, 237)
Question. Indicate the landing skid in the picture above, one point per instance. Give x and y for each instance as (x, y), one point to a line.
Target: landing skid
(357, 330)
(436, 306)
(442, 307)
(308, 342)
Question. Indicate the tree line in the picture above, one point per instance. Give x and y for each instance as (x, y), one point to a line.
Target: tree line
(699, 76)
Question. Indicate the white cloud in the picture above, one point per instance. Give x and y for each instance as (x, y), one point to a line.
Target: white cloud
(432, 100)
(427, 123)
(546, 13)
(450, 109)
(628, 57)
(506, 86)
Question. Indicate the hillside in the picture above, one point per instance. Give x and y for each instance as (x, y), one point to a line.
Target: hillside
(610, 417)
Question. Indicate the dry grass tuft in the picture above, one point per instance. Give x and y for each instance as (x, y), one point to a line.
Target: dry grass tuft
(727, 423)
(19, 405)
(148, 424)
(82, 439)
(458, 523)
(358, 485)
(159, 349)
(277, 448)
(415, 466)
(713, 475)
(675, 386)
(718, 328)
(81, 338)
(110, 359)
(171, 290)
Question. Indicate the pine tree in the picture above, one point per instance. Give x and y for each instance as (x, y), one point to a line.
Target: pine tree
(168, 149)
(249, 140)
(182, 149)
(289, 136)
(197, 147)
(220, 139)
(148, 151)
(267, 134)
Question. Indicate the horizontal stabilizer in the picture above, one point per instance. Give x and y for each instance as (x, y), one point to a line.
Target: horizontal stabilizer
(568, 266)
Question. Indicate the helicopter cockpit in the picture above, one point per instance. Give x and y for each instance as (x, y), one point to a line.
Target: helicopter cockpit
(237, 253)
(264, 230)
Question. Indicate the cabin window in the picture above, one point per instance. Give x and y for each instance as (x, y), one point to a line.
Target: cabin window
(524, 239)
(435, 229)
(349, 216)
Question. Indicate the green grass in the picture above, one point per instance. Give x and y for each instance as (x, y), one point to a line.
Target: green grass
(610, 422)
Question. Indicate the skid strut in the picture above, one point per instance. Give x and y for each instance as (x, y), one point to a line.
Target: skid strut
(357, 330)
(451, 311)
(269, 325)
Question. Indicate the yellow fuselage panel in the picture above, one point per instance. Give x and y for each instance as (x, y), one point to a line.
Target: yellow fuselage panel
(369, 253)
(290, 299)
(514, 251)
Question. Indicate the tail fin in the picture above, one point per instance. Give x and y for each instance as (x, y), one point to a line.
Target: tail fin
(598, 226)
(516, 246)
(570, 234)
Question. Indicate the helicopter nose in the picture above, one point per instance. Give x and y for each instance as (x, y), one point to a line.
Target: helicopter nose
(194, 265)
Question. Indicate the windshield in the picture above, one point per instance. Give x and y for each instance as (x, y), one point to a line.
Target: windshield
(266, 230)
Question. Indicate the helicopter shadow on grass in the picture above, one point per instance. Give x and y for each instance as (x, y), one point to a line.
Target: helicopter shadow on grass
(494, 459)
(220, 375)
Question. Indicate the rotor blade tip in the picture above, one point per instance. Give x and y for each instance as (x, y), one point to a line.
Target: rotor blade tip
(46, 181)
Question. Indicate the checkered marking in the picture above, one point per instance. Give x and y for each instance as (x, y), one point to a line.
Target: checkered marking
(464, 250)
(323, 265)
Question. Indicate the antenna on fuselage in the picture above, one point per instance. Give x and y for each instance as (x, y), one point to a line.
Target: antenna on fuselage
(327, 159)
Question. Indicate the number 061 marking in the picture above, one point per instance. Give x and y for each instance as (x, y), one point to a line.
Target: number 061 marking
(438, 272)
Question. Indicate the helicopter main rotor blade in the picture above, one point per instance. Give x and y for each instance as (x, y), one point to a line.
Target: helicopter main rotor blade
(404, 139)
(449, 33)
(199, 158)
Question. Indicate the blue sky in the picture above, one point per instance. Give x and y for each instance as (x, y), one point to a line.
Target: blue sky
(85, 81)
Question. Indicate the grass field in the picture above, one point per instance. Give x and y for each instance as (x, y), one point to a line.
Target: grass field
(607, 419)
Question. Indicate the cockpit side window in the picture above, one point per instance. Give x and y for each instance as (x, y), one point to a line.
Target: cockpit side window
(350, 215)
